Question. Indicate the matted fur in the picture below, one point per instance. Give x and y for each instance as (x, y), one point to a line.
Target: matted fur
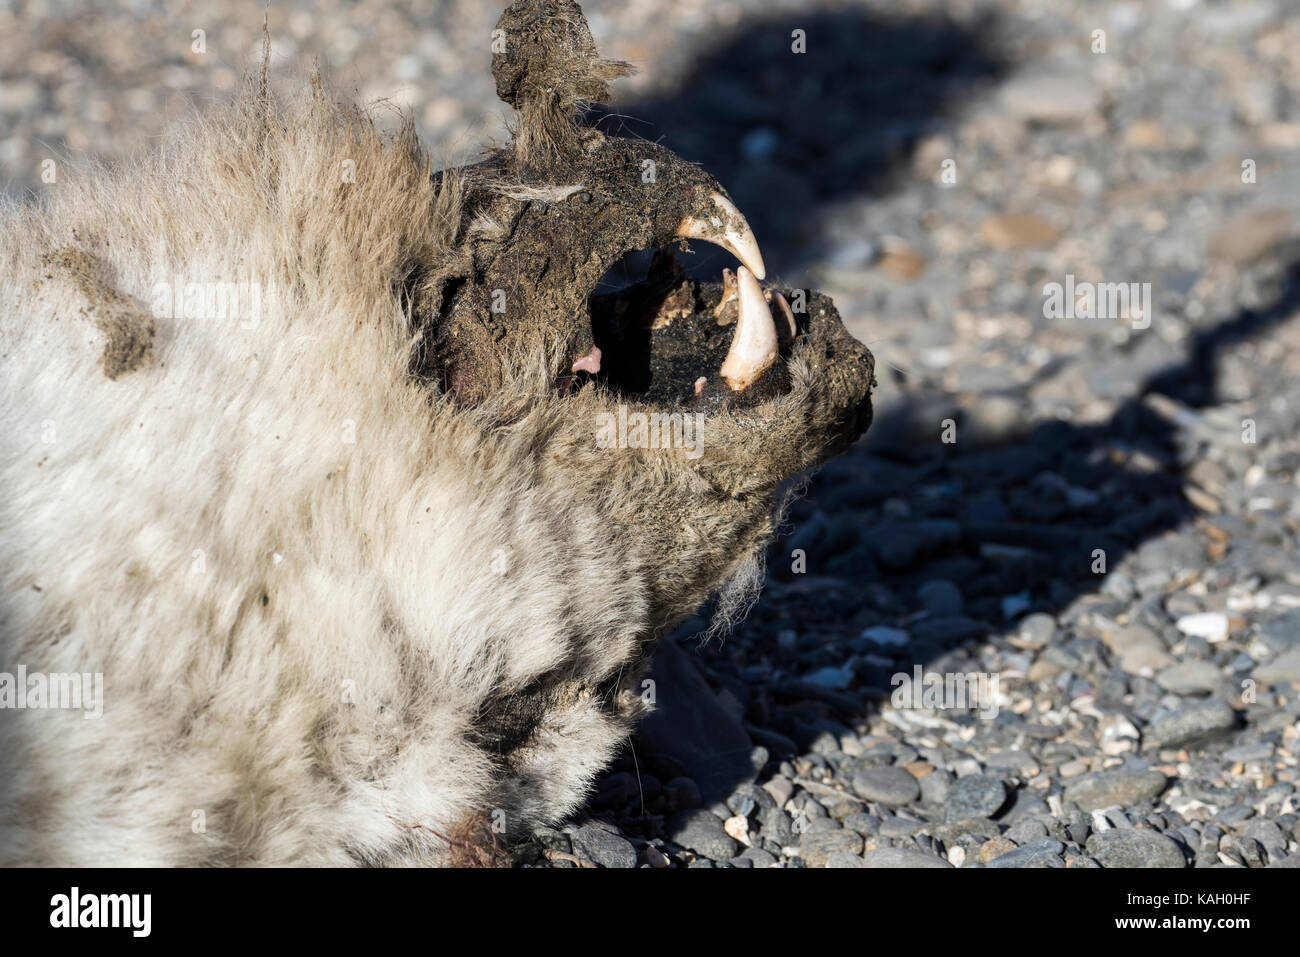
(338, 615)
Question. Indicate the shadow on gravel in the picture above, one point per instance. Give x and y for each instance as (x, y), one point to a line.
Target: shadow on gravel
(791, 135)
(1021, 519)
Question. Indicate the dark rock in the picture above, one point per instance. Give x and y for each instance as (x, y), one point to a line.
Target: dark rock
(601, 847)
(975, 796)
(701, 832)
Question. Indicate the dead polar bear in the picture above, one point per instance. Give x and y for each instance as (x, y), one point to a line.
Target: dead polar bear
(362, 584)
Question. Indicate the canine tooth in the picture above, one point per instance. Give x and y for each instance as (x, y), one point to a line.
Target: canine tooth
(753, 347)
(700, 383)
(785, 311)
(728, 229)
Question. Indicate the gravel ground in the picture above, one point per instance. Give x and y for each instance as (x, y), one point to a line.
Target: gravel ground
(1098, 516)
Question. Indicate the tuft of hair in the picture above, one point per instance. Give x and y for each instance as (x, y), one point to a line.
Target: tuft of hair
(547, 67)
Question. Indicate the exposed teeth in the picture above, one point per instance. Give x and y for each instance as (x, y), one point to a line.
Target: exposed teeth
(728, 229)
(754, 345)
(785, 311)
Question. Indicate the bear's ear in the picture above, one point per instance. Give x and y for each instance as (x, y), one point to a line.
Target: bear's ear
(546, 66)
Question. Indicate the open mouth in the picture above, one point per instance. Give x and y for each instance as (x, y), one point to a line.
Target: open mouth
(674, 341)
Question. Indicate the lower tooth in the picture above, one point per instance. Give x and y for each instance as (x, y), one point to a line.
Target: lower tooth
(754, 345)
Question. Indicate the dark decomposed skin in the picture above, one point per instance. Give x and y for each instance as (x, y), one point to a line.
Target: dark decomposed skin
(546, 218)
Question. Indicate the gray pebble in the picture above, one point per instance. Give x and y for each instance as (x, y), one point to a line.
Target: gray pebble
(601, 847)
(975, 796)
(845, 859)
(1122, 786)
(701, 832)
(816, 849)
(1043, 852)
(760, 857)
(1283, 669)
(1132, 847)
(889, 785)
(1192, 722)
(1190, 677)
(901, 857)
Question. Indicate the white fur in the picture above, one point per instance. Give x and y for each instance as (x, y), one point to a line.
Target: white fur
(409, 575)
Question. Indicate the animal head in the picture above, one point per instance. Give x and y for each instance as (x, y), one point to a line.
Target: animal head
(518, 305)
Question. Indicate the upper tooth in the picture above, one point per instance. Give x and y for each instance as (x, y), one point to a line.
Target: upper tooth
(729, 230)
(754, 346)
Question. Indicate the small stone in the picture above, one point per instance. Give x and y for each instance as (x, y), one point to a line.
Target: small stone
(1189, 677)
(890, 857)
(1051, 97)
(1139, 649)
(1043, 852)
(891, 786)
(1121, 786)
(1193, 722)
(601, 847)
(1134, 847)
(703, 833)
(760, 857)
(975, 796)
(1036, 631)
(737, 828)
(1017, 762)
(552, 840)
(655, 857)
(781, 789)
(1018, 231)
(1119, 735)
(994, 847)
(935, 787)
(1213, 626)
(1023, 832)
(845, 859)
(1283, 669)
(816, 849)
